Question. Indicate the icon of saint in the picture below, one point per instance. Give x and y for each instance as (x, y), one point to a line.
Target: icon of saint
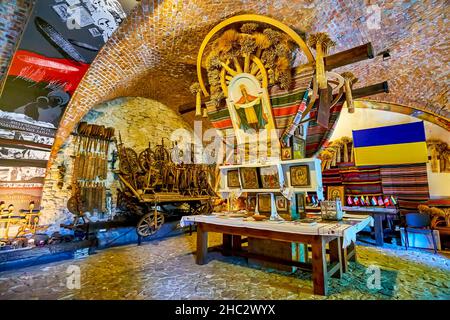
(250, 111)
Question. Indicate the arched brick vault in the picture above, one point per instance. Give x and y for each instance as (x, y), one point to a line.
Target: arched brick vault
(153, 53)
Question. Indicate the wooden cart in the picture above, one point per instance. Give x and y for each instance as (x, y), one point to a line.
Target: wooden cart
(150, 222)
(155, 186)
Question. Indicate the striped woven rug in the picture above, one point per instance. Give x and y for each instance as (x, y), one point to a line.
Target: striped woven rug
(360, 180)
(331, 177)
(318, 136)
(408, 182)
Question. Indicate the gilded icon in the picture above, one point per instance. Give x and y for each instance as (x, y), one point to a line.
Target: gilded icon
(300, 176)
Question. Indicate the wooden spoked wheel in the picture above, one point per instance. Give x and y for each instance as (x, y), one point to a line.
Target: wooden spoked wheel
(248, 64)
(146, 159)
(150, 223)
(161, 154)
(129, 163)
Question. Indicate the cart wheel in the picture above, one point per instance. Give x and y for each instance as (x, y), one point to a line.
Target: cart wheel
(148, 226)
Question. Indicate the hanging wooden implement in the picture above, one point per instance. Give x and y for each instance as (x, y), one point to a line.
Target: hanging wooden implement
(321, 42)
(90, 168)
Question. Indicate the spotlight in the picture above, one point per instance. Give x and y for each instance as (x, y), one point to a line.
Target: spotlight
(385, 54)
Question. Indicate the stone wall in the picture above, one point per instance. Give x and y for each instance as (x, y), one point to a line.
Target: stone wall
(139, 121)
(13, 18)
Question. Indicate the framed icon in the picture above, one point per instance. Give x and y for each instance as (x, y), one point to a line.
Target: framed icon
(298, 147)
(286, 153)
(300, 176)
(233, 179)
(269, 177)
(300, 204)
(282, 204)
(251, 203)
(335, 192)
(265, 203)
(249, 178)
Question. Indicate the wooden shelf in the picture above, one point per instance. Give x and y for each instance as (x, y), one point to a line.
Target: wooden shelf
(314, 165)
(250, 190)
(272, 163)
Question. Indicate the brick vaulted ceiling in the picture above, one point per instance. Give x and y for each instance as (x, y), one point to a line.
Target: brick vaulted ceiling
(153, 53)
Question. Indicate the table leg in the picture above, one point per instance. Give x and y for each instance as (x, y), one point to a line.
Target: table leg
(351, 249)
(202, 245)
(319, 266)
(335, 246)
(237, 243)
(348, 254)
(344, 255)
(379, 237)
(226, 244)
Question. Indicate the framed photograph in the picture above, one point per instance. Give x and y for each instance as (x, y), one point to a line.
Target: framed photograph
(286, 153)
(300, 204)
(81, 16)
(249, 178)
(94, 32)
(335, 192)
(269, 177)
(282, 204)
(300, 176)
(298, 147)
(233, 179)
(265, 203)
(251, 203)
(62, 11)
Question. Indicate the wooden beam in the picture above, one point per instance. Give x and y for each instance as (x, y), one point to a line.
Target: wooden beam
(381, 87)
(344, 58)
(23, 163)
(349, 56)
(24, 144)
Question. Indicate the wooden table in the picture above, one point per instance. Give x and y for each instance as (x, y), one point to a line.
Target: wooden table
(317, 236)
(378, 214)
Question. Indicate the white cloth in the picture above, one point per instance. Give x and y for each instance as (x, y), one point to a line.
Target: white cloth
(346, 229)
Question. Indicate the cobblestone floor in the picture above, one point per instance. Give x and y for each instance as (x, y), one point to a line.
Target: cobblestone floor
(166, 270)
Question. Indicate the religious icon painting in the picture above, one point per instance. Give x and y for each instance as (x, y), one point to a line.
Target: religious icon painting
(286, 153)
(300, 176)
(282, 204)
(250, 110)
(298, 147)
(233, 179)
(265, 203)
(269, 177)
(335, 192)
(249, 178)
(251, 203)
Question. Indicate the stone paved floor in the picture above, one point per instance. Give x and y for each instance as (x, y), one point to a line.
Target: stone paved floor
(166, 270)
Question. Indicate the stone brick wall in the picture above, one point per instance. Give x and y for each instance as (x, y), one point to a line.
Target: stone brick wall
(13, 18)
(139, 121)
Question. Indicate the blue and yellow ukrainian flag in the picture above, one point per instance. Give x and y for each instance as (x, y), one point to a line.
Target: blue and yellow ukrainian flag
(398, 144)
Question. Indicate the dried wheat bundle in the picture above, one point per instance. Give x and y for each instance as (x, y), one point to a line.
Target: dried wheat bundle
(249, 27)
